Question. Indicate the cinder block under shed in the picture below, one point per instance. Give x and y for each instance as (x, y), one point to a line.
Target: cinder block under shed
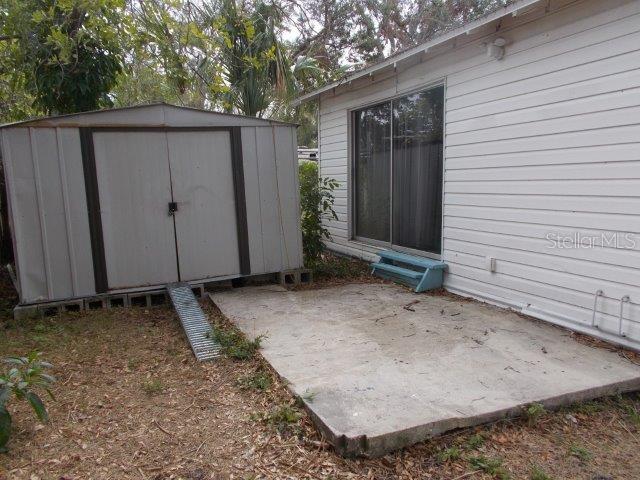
(384, 368)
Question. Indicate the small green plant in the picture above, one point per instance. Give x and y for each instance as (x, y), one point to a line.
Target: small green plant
(538, 474)
(24, 375)
(490, 466)
(588, 408)
(534, 412)
(316, 202)
(282, 417)
(632, 413)
(256, 381)
(235, 344)
(450, 454)
(580, 453)
(152, 386)
(475, 441)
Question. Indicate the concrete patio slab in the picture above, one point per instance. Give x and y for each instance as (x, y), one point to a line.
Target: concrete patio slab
(383, 368)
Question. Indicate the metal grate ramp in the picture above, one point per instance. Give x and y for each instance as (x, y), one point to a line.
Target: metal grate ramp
(194, 321)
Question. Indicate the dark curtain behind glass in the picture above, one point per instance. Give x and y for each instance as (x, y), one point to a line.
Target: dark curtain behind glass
(417, 170)
(372, 170)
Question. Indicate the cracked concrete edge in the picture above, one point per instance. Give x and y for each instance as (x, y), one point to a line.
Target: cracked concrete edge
(378, 446)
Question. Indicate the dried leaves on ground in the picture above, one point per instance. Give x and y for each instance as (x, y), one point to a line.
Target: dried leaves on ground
(132, 403)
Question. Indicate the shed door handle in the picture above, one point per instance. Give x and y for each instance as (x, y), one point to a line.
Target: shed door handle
(173, 208)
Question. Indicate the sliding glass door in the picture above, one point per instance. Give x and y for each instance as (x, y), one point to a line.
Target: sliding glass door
(398, 171)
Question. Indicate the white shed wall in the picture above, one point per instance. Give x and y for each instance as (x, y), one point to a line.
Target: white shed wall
(48, 203)
(546, 140)
(45, 188)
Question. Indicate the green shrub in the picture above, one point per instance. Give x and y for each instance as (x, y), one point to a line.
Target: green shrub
(316, 202)
(24, 374)
(235, 344)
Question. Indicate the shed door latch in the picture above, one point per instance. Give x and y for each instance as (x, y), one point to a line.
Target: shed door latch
(173, 208)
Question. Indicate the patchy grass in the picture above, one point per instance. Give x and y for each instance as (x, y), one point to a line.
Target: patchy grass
(152, 387)
(534, 412)
(257, 381)
(580, 452)
(538, 473)
(102, 425)
(475, 441)
(449, 455)
(490, 466)
(282, 417)
(333, 269)
(234, 344)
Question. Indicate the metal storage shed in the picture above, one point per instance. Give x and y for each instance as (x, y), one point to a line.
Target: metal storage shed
(131, 198)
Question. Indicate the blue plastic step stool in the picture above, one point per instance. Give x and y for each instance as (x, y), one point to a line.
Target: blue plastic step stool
(417, 272)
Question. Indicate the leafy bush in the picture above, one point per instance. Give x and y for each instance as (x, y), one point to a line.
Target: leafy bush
(235, 344)
(316, 202)
(25, 374)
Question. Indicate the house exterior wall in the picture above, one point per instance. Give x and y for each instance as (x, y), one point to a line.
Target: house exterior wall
(540, 145)
(48, 203)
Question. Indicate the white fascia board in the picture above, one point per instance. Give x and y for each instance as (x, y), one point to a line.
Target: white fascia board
(466, 29)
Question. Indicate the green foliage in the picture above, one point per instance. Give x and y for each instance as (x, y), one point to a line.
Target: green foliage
(235, 344)
(534, 412)
(490, 466)
(538, 474)
(67, 54)
(316, 203)
(256, 381)
(580, 453)
(282, 417)
(450, 454)
(475, 441)
(23, 376)
(588, 408)
(333, 267)
(632, 414)
(153, 386)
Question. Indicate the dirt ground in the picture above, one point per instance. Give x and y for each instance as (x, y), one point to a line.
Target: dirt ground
(131, 403)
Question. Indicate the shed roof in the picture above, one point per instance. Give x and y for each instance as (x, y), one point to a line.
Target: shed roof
(154, 114)
(391, 61)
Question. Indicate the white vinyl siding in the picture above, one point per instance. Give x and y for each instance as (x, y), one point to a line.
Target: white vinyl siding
(546, 140)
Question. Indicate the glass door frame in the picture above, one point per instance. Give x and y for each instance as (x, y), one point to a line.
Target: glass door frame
(352, 173)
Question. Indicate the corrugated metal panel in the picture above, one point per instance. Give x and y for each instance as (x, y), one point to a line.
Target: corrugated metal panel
(135, 190)
(288, 195)
(543, 141)
(270, 212)
(253, 200)
(202, 179)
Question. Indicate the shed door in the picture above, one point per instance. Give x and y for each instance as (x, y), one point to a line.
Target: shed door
(203, 188)
(134, 186)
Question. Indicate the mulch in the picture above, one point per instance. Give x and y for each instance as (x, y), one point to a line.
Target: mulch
(197, 422)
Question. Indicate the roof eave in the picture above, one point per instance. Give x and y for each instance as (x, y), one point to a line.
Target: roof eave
(466, 29)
